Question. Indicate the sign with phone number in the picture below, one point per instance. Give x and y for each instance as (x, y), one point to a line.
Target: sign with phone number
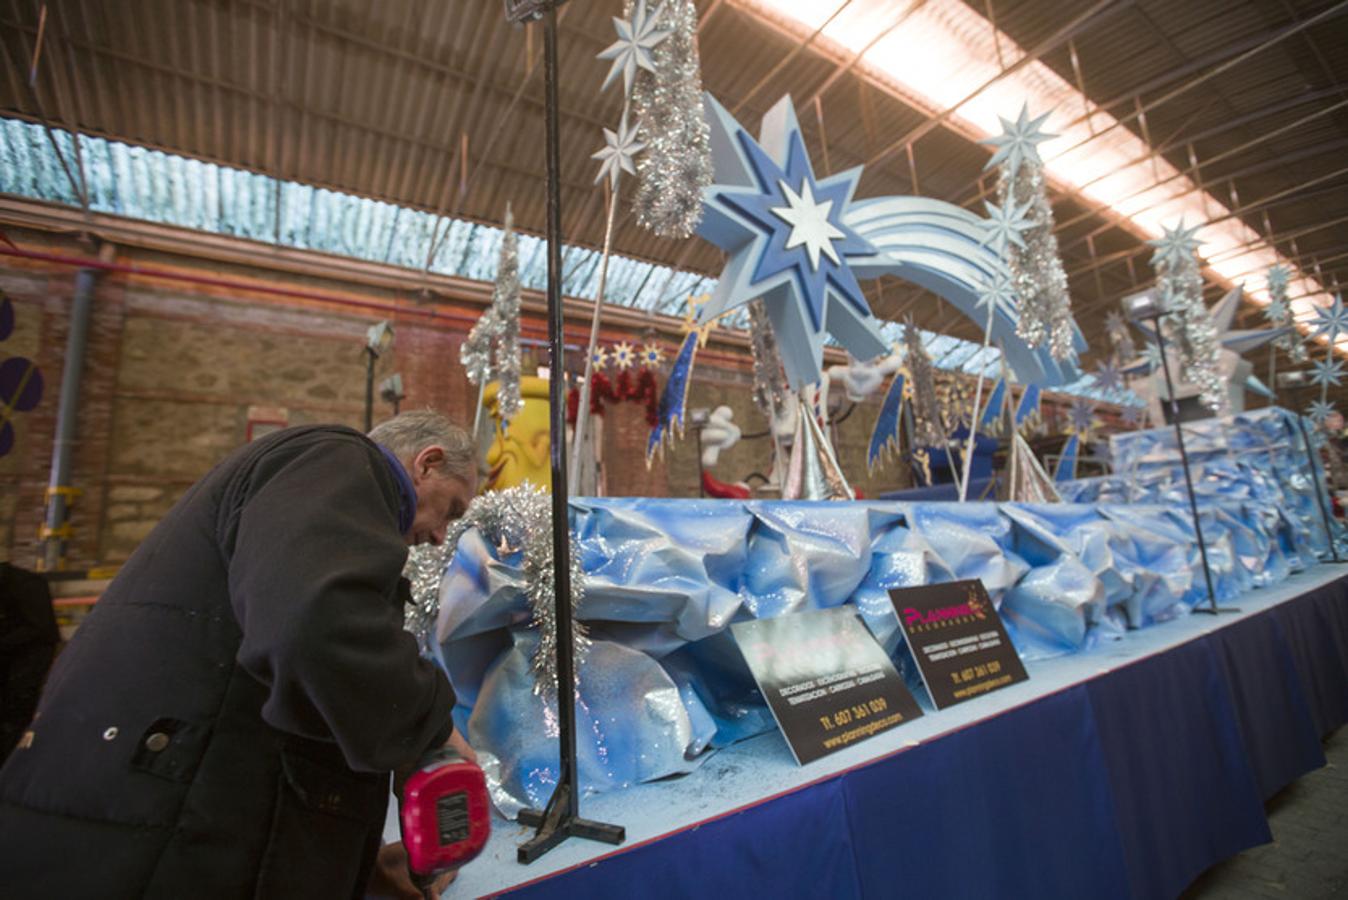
(828, 683)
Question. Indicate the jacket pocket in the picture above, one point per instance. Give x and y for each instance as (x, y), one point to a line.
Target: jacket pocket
(324, 832)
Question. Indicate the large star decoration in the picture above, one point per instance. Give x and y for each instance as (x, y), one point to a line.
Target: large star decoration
(637, 37)
(1175, 244)
(620, 148)
(1019, 141)
(1330, 320)
(783, 232)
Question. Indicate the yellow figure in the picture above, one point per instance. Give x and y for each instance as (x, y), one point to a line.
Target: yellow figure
(520, 452)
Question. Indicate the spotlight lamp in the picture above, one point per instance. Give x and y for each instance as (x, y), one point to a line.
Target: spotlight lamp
(379, 337)
(1149, 304)
(391, 390)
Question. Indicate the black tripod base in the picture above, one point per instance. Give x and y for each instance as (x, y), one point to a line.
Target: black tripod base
(552, 833)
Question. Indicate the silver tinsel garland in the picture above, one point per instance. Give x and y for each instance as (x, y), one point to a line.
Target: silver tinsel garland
(677, 164)
(1189, 325)
(516, 520)
(492, 349)
(928, 430)
(1281, 317)
(1036, 271)
(770, 387)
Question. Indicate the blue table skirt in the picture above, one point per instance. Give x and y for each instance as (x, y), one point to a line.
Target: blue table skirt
(1125, 779)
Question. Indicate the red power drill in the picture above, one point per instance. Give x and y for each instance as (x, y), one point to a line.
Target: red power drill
(444, 815)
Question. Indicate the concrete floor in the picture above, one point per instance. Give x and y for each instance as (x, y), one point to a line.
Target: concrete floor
(1308, 859)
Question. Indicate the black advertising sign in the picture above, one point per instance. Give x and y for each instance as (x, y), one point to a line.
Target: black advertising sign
(958, 640)
(828, 683)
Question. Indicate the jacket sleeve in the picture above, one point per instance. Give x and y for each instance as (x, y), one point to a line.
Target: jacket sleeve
(313, 574)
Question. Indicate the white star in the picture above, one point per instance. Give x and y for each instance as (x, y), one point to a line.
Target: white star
(1005, 223)
(600, 358)
(1175, 244)
(652, 356)
(1276, 310)
(995, 293)
(1278, 277)
(619, 149)
(636, 39)
(809, 223)
(1019, 141)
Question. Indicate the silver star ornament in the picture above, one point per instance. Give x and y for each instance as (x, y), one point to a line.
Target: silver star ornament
(620, 148)
(1005, 223)
(1175, 244)
(1019, 141)
(637, 37)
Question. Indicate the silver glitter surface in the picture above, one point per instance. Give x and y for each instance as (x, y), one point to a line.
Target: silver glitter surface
(677, 164)
(514, 520)
(928, 429)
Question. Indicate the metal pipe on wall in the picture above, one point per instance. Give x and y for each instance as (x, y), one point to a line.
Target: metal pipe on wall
(57, 531)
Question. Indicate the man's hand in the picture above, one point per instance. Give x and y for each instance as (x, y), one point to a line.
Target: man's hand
(458, 743)
(392, 879)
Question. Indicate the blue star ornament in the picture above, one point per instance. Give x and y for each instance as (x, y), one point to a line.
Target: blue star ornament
(783, 232)
(1327, 372)
(1108, 377)
(1081, 414)
(1319, 410)
(1331, 319)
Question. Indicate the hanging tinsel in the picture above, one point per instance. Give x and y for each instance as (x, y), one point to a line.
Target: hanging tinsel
(676, 165)
(1036, 270)
(770, 387)
(928, 430)
(515, 520)
(640, 388)
(492, 349)
(1279, 315)
(1188, 323)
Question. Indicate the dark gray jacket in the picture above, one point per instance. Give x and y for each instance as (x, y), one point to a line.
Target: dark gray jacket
(223, 722)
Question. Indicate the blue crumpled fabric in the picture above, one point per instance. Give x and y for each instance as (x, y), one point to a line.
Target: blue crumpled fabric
(664, 681)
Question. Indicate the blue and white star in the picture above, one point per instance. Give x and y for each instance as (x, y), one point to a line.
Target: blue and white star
(600, 359)
(637, 37)
(996, 293)
(652, 356)
(1019, 141)
(1330, 320)
(620, 148)
(786, 242)
(1327, 372)
(1319, 410)
(1175, 244)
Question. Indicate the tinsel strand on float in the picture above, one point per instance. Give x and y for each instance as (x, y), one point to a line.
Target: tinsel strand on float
(770, 387)
(1189, 325)
(1279, 314)
(676, 164)
(1037, 274)
(492, 350)
(927, 428)
(516, 520)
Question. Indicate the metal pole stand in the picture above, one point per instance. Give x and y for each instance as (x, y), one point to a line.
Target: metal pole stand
(1319, 491)
(1188, 478)
(560, 820)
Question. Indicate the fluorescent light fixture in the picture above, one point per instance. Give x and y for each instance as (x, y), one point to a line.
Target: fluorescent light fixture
(942, 51)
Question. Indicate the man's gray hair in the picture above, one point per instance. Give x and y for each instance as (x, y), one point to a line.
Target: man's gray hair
(407, 434)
